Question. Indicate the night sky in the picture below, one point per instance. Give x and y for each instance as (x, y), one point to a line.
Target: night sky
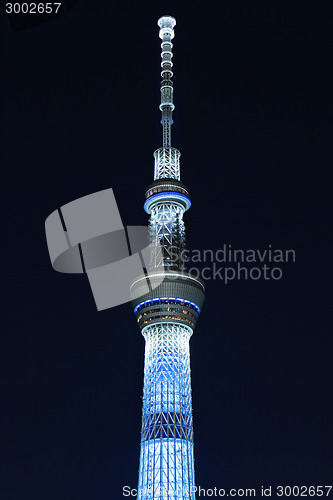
(253, 121)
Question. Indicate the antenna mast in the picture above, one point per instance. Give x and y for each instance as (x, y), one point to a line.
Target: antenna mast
(166, 158)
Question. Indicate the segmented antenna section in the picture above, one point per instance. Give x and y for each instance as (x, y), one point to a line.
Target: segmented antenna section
(167, 33)
(166, 158)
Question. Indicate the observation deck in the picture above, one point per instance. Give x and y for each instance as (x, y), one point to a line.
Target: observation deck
(178, 299)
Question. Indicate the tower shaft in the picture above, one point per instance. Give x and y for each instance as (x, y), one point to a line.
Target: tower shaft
(167, 315)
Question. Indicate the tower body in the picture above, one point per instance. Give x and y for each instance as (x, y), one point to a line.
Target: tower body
(167, 315)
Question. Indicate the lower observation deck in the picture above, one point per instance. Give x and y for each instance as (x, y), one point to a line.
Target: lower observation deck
(177, 299)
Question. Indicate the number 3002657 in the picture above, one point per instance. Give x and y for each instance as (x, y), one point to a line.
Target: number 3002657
(32, 8)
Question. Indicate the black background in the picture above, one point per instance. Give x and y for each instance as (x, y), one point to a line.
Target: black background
(253, 120)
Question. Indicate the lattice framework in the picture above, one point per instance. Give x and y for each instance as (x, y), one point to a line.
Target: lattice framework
(166, 459)
(167, 163)
(167, 226)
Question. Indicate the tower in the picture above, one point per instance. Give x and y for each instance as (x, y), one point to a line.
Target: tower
(167, 315)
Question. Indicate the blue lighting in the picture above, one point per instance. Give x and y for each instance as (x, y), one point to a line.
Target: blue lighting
(167, 194)
(166, 458)
(170, 300)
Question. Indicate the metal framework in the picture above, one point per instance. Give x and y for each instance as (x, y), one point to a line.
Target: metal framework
(167, 316)
(167, 225)
(167, 164)
(166, 459)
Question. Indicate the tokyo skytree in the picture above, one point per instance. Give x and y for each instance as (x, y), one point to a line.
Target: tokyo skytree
(167, 315)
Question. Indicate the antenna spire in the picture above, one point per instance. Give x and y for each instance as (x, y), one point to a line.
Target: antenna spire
(166, 24)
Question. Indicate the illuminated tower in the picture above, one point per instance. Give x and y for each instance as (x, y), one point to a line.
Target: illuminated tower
(167, 316)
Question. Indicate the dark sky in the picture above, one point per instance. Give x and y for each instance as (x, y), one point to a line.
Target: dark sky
(253, 120)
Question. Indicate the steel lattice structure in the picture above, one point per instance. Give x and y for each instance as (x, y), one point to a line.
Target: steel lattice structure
(167, 315)
(166, 460)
